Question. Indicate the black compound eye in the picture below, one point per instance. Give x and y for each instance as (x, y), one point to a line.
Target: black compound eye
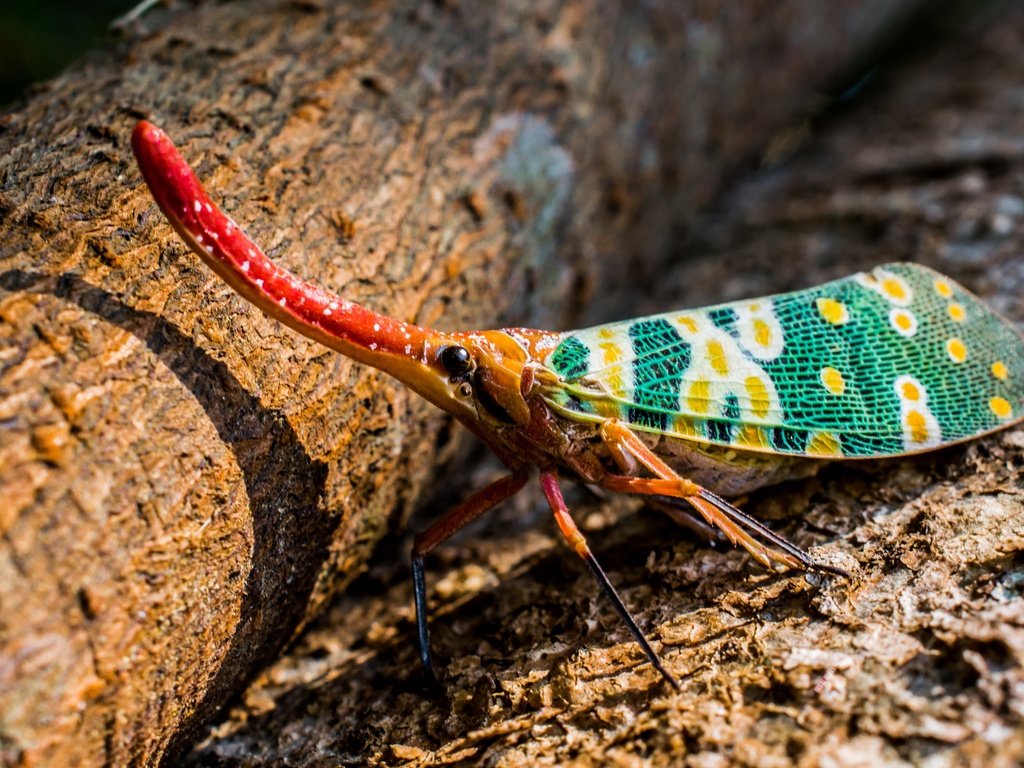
(456, 360)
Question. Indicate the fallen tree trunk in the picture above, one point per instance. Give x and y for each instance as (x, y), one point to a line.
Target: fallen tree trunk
(184, 481)
(918, 659)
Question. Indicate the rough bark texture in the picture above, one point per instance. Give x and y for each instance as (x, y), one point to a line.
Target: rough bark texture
(183, 481)
(916, 660)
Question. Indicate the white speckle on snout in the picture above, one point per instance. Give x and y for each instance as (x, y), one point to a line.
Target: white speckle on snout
(259, 283)
(197, 206)
(245, 266)
(376, 327)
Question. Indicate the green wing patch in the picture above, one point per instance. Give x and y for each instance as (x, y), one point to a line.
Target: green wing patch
(897, 360)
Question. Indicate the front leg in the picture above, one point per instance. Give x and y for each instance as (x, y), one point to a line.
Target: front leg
(425, 542)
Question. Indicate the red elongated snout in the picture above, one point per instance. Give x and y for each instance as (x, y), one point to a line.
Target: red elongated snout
(407, 351)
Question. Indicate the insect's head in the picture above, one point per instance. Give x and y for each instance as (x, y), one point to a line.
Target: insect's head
(481, 374)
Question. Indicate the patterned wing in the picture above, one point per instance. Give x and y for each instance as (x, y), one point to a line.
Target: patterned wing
(894, 361)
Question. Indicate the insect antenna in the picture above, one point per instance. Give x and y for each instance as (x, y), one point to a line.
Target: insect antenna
(751, 524)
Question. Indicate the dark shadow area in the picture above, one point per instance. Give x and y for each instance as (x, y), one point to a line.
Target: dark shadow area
(38, 39)
(283, 483)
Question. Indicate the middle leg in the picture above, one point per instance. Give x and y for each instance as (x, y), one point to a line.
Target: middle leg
(576, 540)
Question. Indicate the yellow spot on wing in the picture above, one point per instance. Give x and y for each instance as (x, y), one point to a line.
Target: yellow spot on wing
(823, 444)
(760, 400)
(956, 350)
(751, 437)
(833, 311)
(612, 352)
(833, 380)
(903, 321)
(606, 333)
(910, 391)
(917, 426)
(1001, 407)
(615, 384)
(683, 425)
(698, 398)
(895, 289)
(999, 370)
(944, 289)
(762, 332)
(716, 357)
(957, 312)
(688, 323)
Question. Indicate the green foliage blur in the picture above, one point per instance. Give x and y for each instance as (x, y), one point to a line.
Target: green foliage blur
(38, 38)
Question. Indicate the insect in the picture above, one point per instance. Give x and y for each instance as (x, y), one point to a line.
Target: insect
(692, 406)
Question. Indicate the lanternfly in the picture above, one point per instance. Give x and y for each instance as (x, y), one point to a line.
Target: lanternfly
(693, 405)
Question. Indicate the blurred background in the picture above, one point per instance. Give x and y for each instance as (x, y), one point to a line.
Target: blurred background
(38, 38)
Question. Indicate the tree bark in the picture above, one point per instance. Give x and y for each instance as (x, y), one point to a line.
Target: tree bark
(918, 659)
(184, 482)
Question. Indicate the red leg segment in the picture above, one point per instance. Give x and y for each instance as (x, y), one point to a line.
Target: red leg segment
(465, 513)
(576, 540)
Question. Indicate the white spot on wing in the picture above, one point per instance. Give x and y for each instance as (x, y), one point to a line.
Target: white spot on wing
(760, 330)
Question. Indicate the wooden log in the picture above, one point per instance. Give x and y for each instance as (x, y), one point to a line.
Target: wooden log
(184, 482)
(918, 659)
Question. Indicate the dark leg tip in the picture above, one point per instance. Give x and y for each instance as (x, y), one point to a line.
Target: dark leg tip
(671, 680)
(430, 686)
(832, 570)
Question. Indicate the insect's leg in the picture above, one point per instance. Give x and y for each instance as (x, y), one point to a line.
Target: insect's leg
(714, 509)
(781, 551)
(685, 516)
(465, 513)
(670, 505)
(576, 540)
